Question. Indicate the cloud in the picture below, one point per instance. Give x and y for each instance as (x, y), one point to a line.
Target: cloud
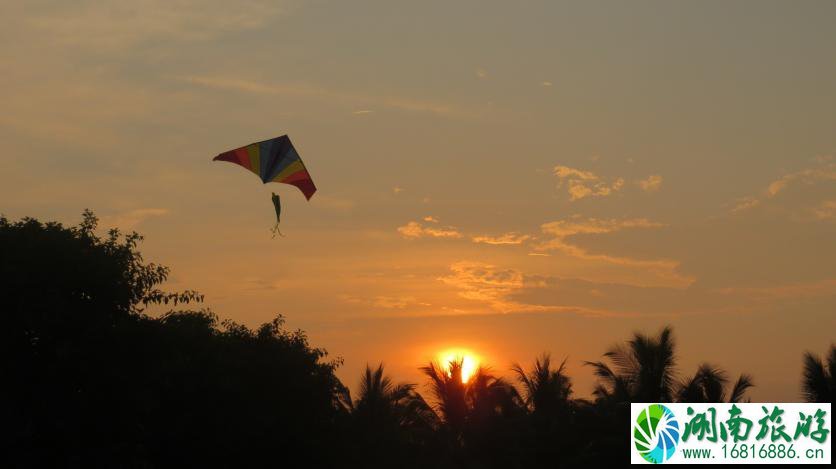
(565, 172)
(485, 282)
(113, 25)
(561, 230)
(481, 74)
(574, 226)
(512, 238)
(480, 281)
(545, 83)
(362, 112)
(825, 210)
(397, 190)
(308, 91)
(383, 302)
(807, 176)
(501, 289)
(414, 230)
(824, 287)
(745, 203)
(824, 172)
(430, 219)
(652, 184)
(255, 284)
(132, 218)
(582, 184)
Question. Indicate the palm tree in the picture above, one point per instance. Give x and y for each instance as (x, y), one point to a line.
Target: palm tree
(479, 416)
(387, 422)
(709, 385)
(546, 390)
(551, 420)
(382, 403)
(450, 393)
(460, 403)
(818, 381)
(643, 371)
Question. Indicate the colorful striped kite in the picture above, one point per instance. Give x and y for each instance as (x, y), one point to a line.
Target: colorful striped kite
(273, 160)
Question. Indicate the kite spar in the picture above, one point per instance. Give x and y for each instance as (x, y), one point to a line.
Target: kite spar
(274, 160)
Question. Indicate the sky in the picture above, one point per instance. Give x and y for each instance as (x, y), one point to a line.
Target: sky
(508, 178)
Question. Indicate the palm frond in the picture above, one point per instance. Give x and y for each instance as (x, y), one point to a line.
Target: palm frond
(744, 382)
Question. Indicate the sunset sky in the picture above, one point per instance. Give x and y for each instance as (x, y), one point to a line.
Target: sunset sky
(508, 178)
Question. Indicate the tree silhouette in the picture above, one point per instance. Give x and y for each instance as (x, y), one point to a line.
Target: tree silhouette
(388, 422)
(709, 385)
(90, 379)
(479, 416)
(817, 384)
(641, 371)
(546, 390)
(552, 413)
(382, 403)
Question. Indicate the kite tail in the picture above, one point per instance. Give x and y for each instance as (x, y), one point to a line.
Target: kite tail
(277, 204)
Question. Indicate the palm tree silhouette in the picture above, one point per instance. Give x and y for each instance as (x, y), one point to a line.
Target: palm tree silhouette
(709, 385)
(641, 371)
(546, 390)
(552, 413)
(382, 403)
(479, 416)
(450, 393)
(817, 383)
(460, 403)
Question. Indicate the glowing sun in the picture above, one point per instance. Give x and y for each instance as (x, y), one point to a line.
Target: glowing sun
(470, 361)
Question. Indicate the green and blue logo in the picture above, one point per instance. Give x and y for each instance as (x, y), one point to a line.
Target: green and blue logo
(656, 433)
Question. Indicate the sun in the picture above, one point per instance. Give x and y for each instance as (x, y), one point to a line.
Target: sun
(470, 361)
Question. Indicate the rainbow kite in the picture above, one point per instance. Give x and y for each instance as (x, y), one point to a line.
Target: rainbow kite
(273, 160)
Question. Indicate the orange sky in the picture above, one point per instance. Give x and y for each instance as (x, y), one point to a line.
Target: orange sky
(510, 180)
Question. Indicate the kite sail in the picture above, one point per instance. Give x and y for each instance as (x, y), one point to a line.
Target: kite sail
(274, 160)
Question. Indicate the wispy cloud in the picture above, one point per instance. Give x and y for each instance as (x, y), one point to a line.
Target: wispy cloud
(414, 230)
(581, 184)
(500, 289)
(825, 210)
(577, 225)
(652, 184)
(562, 230)
(308, 91)
(824, 171)
(486, 283)
(115, 24)
(383, 301)
(745, 203)
(130, 219)
(512, 238)
(795, 290)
